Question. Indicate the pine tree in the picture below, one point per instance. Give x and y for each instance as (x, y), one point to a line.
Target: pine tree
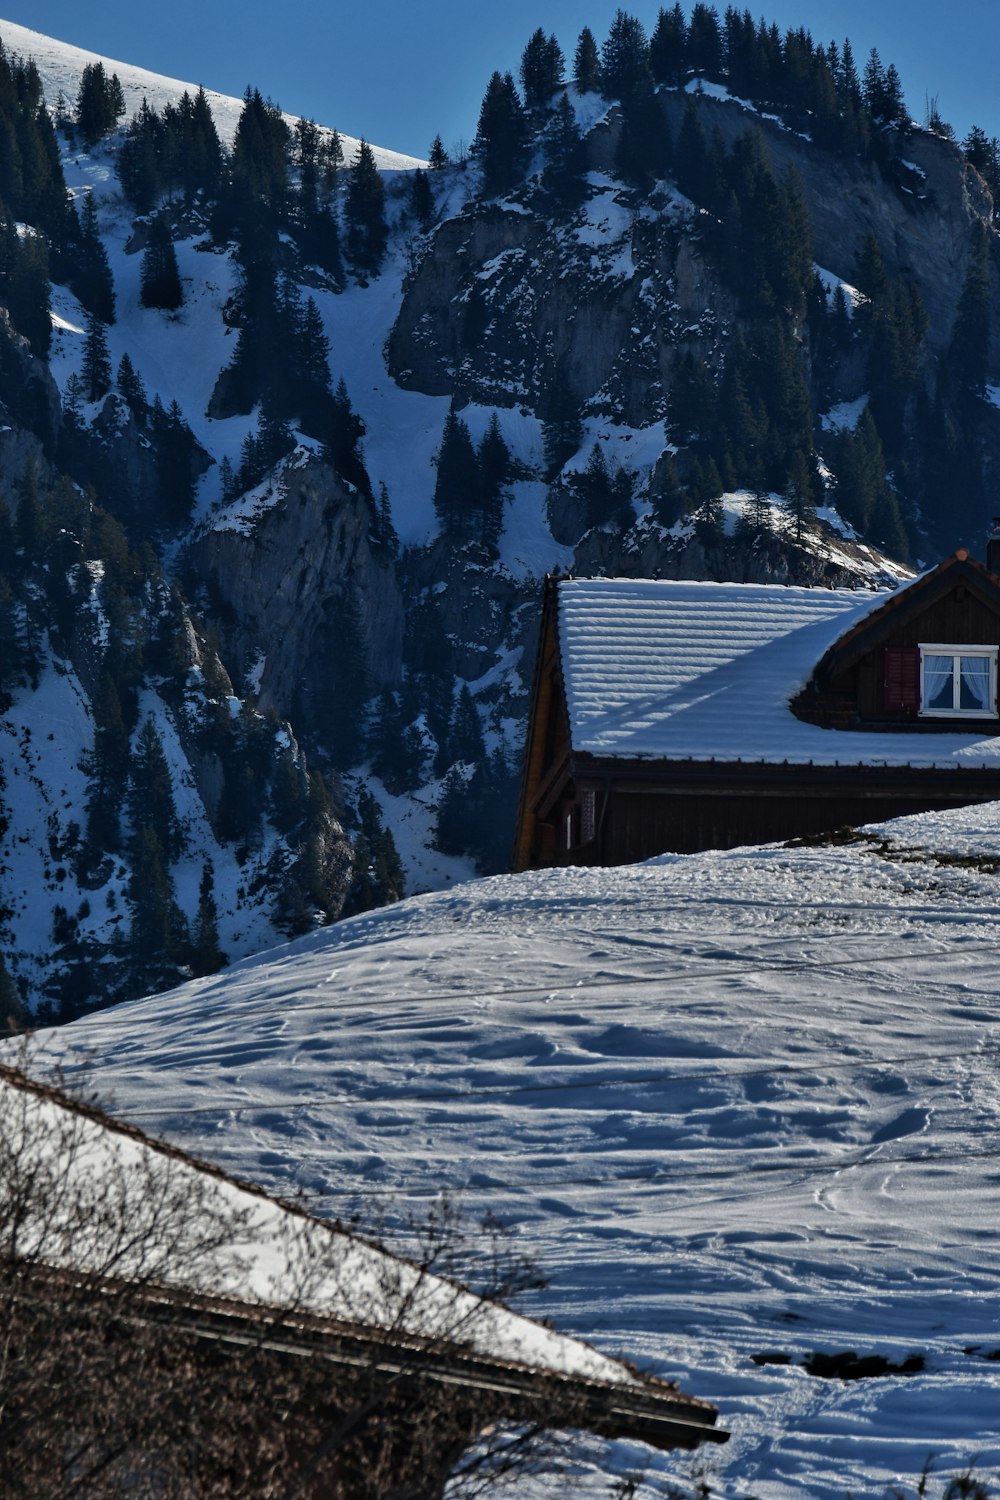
(364, 213)
(131, 388)
(11, 653)
(331, 159)
(587, 63)
(309, 375)
(709, 523)
(24, 284)
(564, 154)
(594, 486)
(801, 500)
(542, 69)
(873, 87)
(95, 370)
(421, 198)
(456, 488)
(100, 103)
(387, 533)
(704, 41)
(897, 113)
(259, 162)
(691, 156)
(159, 277)
(692, 410)
(150, 796)
(340, 714)
(29, 517)
(206, 955)
(983, 152)
(667, 497)
(437, 158)
(869, 271)
(11, 1006)
(156, 922)
(625, 59)
(494, 463)
(8, 540)
(342, 447)
(307, 141)
(501, 141)
(377, 877)
(465, 741)
(667, 47)
(202, 160)
(139, 163)
(451, 827)
(175, 469)
(398, 749)
(90, 271)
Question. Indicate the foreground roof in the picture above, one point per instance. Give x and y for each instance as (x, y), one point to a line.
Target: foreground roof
(670, 670)
(276, 1257)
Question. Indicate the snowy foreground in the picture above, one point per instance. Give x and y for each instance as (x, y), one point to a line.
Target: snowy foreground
(738, 1104)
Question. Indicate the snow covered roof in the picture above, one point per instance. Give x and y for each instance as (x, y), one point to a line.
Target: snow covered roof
(226, 1239)
(677, 670)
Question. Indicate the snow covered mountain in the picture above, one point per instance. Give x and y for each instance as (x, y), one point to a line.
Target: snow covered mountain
(378, 404)
(742, 1106)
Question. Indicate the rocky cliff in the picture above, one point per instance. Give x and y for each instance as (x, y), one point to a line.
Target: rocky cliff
(282, 565)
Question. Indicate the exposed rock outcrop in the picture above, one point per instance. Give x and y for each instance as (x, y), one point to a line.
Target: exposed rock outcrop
(513, 296)
(282, 564)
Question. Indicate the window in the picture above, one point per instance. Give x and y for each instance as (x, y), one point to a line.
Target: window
(959, 680)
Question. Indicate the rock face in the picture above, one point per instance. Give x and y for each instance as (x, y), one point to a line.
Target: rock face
(509, 304)
(511, 298)
(31, 412)
(922, 217)
(649, 551)
(477, 603)
(283, 564)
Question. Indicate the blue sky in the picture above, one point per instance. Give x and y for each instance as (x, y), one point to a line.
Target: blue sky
(398, 72)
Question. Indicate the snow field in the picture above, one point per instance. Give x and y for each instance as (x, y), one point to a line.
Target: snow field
(738, 1104)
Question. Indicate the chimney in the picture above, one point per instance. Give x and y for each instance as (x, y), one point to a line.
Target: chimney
(993, 548)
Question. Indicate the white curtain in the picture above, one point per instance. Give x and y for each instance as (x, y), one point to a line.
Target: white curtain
(939, 676)
(974, 686)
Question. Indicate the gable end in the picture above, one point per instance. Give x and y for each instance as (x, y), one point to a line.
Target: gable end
(872, 677)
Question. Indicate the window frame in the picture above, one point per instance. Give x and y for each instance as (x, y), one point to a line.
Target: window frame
(946, 648)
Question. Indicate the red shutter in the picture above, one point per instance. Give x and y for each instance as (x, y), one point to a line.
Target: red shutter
(902, 679)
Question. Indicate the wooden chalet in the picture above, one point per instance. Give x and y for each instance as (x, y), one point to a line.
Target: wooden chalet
(676, 716)
(387, 1373)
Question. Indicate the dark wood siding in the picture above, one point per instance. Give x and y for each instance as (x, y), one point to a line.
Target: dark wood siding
(689, 807)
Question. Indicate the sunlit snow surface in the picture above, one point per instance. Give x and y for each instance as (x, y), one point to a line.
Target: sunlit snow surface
(738, 1103)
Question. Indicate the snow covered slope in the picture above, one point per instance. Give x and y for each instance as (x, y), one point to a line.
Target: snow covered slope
(60, 66)
(744, 1107)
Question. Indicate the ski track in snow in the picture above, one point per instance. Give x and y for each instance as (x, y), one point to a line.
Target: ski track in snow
(737, 1103)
